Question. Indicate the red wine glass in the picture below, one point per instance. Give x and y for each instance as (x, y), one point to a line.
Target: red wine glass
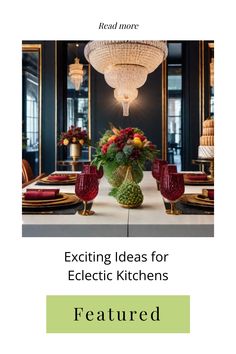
(86, 188)
(156, 170)
(93, 169)
(166, 170)
(172, 188)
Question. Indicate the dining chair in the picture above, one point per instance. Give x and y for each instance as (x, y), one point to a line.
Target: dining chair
(27, 174)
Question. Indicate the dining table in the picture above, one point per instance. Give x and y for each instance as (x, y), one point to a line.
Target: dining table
(112, 220)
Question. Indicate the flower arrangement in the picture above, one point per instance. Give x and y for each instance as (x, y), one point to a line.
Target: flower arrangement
(123, 148)
(74, 135)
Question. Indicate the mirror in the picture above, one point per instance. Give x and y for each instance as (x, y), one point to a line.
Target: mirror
(78, 101)
(31, 105)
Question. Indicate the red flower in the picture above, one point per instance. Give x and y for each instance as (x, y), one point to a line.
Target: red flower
(128, 132)
(135, 154)
(104, 148)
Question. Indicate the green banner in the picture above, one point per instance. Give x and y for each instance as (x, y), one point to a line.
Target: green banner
(118, 314)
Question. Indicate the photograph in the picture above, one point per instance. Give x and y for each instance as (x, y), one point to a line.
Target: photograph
(118, 138)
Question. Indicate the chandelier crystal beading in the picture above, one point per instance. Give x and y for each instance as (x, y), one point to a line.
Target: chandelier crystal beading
(125, 65)
(76, 73)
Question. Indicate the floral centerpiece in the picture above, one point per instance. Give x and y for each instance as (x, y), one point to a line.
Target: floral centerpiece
(120, 149)
(75, 137)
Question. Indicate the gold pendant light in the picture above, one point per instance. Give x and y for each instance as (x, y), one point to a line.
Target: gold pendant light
(76, 72)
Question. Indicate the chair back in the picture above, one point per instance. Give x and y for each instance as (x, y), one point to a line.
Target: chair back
(27, 173)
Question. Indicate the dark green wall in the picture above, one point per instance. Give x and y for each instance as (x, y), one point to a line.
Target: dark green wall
(145, 113)
(190, 103)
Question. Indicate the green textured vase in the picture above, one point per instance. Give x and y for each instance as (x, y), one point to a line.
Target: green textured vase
(115, 174)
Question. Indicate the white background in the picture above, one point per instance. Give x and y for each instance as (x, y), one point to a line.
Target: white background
(32, 268)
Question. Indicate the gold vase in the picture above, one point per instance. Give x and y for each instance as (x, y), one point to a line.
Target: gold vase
(75, 151)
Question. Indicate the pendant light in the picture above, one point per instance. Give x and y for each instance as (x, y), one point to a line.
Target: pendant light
(76, 72)
(125, 65)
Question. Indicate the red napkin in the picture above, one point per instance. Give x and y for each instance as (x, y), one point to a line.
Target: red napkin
(58, 177)
(37, 194)
(196, 176)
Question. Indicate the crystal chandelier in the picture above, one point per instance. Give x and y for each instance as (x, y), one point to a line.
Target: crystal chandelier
(76, 73)
(125, 65)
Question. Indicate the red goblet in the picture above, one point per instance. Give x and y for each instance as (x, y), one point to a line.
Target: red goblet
(156, 170)
(172, 188)
(86, 188)
(93, 169)
(166, 170)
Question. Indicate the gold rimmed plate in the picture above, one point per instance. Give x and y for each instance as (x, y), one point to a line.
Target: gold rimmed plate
(209, 181)
(204, 199)
(67, 200)
(70, 180)
(195, 200)
(60, 197)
